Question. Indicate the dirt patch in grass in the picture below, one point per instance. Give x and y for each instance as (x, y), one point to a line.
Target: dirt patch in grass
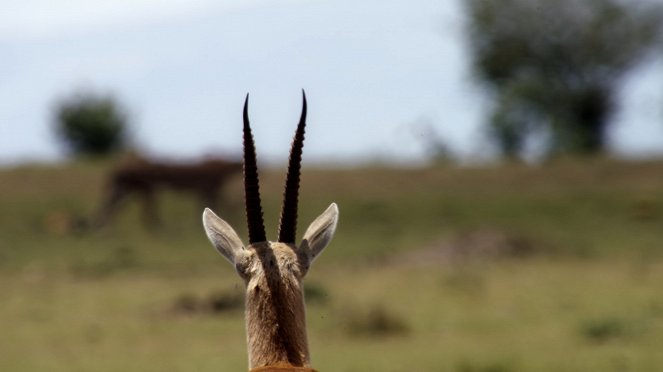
(218, 301)
(374, 321)
(478, 245)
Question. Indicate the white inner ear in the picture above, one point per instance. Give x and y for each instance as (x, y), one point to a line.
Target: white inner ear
(222, 236)
(320, 232)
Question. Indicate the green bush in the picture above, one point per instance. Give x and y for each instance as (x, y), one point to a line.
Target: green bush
(91, 124)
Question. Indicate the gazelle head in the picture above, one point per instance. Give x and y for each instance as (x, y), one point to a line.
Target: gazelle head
(273, 271)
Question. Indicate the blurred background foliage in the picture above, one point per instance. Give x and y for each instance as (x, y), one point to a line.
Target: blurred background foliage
(553, 68)
(89, 123)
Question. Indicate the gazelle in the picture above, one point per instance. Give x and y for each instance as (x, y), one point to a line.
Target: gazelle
(273, 271)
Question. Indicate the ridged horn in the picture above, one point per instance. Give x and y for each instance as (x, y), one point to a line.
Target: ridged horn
(254, 217)
(288, 222)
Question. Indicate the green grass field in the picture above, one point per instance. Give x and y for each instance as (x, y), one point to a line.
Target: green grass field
(556, 267)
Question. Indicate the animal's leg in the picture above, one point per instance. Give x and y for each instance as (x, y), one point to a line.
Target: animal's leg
(150, 214)
(114, 195)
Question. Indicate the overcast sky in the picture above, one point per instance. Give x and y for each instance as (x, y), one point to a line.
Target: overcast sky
(374, 72)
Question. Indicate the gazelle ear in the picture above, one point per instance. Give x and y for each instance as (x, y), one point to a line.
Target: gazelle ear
(320, 232)
(222, 236)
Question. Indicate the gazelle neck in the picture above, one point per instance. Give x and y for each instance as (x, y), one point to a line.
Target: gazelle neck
(276, 323)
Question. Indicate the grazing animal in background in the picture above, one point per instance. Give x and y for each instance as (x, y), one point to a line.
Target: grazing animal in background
(273, 271)
(143, 178)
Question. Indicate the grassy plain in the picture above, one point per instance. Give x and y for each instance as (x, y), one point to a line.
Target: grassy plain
(564, 272)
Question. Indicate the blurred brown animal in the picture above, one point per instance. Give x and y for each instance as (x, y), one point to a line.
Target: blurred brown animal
(144, 178)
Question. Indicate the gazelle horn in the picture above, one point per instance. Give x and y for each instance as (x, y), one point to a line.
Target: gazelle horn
(288, 223)
(251, 184)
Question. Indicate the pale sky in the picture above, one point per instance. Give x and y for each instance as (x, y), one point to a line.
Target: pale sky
(373, 72)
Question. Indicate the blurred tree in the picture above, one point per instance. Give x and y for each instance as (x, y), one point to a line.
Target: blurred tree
(91, 124)
(554, 66)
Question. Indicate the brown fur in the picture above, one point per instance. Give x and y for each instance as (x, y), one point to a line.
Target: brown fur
(144, 178)
(282, 368)
(275, 313)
